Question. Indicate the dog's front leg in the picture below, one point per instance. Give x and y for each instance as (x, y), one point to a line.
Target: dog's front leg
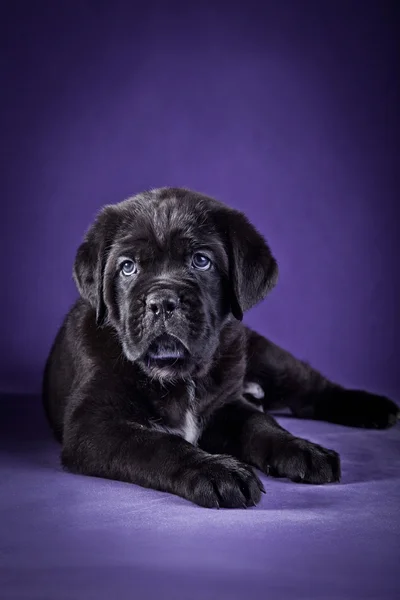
(100, 441)
(256, 438)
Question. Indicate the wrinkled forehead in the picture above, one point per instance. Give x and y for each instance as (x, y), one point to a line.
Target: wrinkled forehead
(170, 224)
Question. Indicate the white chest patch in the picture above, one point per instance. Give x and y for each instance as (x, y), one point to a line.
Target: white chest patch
(190, 430)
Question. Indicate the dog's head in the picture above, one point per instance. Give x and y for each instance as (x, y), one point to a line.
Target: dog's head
(167, 269)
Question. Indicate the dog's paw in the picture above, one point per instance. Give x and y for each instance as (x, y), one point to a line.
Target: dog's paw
(356, 408)
(220, 481)
(305, 462)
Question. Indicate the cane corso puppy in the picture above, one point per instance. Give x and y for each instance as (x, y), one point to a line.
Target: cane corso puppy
(154, 380)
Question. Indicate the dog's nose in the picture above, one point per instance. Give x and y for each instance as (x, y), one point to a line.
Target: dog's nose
(162, 303)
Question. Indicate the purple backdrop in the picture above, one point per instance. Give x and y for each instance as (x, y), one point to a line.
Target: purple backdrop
(287, 112)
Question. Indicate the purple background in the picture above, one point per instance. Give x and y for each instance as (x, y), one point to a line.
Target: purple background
(285, 110)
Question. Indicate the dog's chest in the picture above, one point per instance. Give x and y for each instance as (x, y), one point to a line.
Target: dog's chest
(183, 419)
(191, 429)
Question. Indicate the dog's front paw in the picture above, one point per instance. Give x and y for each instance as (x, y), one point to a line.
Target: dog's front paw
(222, 481)
(305, 462)
(356, 408)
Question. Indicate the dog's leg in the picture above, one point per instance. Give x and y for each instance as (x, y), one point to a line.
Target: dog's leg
(99, 440)
(287, 381)
(242, 431)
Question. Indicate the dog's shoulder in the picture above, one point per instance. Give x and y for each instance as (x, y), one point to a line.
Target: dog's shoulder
(84, 345)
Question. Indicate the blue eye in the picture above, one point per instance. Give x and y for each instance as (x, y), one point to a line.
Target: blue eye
(128, 267)
(201, 262)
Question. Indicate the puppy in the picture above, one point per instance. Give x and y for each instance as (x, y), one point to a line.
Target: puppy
(154, 380)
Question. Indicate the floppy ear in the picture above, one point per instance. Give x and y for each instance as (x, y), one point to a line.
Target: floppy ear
(253, 271)
(91, 259)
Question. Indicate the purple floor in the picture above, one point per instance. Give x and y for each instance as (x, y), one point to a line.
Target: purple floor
(64, 536)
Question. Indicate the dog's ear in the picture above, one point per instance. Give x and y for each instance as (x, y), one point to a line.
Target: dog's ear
(253, 271)
(91, 259)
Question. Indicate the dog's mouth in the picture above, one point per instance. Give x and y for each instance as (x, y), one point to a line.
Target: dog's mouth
(166, 350)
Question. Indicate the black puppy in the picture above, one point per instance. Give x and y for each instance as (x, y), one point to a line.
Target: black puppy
(152, 378)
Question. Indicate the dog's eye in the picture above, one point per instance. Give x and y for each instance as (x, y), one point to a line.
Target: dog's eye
(128, 267)
(201, 262)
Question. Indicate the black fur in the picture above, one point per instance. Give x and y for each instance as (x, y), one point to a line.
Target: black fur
(144, 361)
